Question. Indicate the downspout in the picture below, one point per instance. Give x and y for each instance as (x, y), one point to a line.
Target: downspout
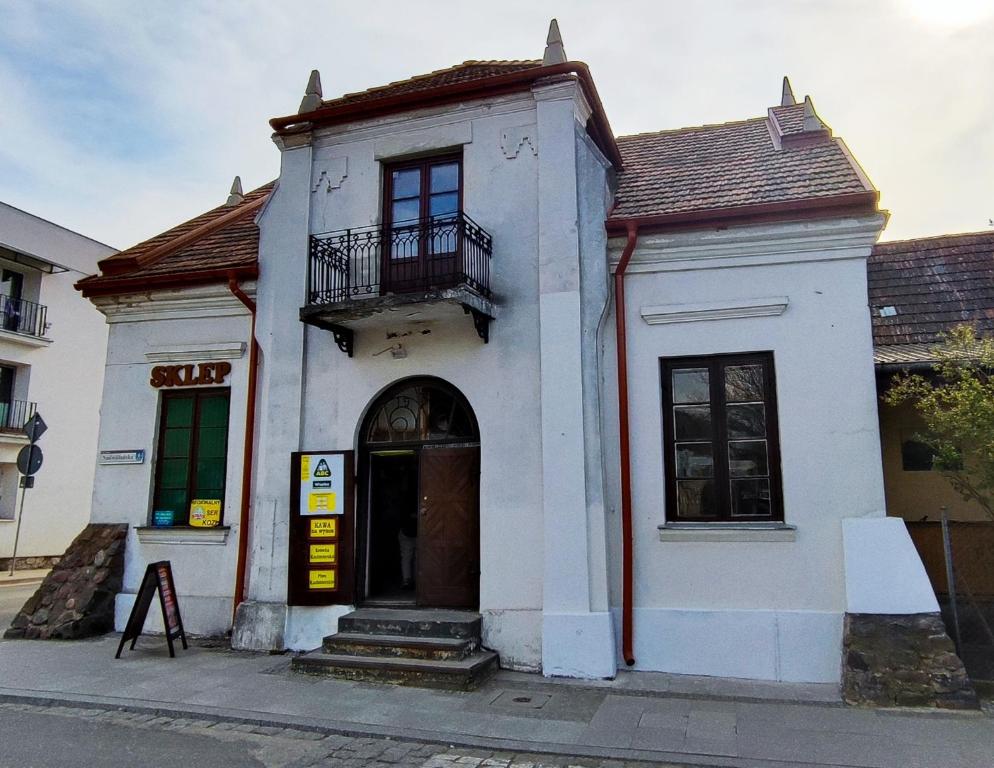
(247, 453)
(627, 586)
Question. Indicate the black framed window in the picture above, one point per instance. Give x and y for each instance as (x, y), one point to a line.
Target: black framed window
(720, 437)
(192, 453)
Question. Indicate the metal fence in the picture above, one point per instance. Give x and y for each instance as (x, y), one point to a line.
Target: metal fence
(14, 414)
(22, 316)
(412, 256)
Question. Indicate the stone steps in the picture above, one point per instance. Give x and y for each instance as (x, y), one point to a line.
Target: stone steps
(428, 648)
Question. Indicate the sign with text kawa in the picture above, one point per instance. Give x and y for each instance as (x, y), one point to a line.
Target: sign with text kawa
(322, 525)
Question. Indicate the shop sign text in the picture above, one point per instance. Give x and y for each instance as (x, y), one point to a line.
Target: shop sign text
(190, 375)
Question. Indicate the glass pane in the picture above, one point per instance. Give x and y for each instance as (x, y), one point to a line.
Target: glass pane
(175, 500)
(407, 183)
(746, 420)
(173, 473)
(691, 385)
(751, 497)
(210, 474)
(445, 178)
(214, 411)
(695, 498)
(211, 444)
(444, 204)
(744, 383)
(406, 210)
(179, 411)
(692, 422)
(405, 243)
(746, 458)
(176, 443)
(694, 460)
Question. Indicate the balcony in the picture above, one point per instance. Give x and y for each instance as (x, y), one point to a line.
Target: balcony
(22, 316)
(413, 272)
(14, 414)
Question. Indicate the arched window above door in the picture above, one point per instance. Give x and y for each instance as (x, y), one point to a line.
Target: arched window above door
(420, 412)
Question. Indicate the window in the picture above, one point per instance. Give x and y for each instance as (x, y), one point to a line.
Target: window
(722, 456)
(423, 191)
(192, 453)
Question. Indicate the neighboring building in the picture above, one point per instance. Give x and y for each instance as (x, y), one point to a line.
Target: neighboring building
(433, 284)
(52, 347)
(919, 290)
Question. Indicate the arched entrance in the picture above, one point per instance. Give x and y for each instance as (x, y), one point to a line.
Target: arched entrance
(419, 526)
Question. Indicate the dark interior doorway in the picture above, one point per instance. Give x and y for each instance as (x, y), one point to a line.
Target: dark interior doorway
(393, 526)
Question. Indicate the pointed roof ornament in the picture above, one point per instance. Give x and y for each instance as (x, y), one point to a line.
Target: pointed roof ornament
(787, 96)
(236, 195)
(554, 51)
(312, 96)
(811, 120)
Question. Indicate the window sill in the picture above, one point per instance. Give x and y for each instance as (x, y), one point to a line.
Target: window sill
(182, 534)
(727, 532)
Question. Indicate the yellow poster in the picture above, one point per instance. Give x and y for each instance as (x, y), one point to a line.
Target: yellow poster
(305, 468)
(205, 513)
(321, 503)
(324, 579)
(323, 553)
(324, 529)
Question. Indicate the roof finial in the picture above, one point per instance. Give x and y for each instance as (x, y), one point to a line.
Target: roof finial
(811, 120)
(554, 51)
(787, 96)
(312, 96)
(236, 195)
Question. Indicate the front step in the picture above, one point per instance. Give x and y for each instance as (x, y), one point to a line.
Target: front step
(454, 675)
(429, 648)
(437, 648)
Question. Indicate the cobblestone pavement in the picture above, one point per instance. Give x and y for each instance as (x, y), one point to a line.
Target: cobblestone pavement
(270, 747)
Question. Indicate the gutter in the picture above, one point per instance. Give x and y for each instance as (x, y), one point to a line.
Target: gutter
(241, 564)
(627, 556)
(98, 285)
(329, 114)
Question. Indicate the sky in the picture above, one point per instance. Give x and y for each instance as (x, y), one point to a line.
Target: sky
(119, 119)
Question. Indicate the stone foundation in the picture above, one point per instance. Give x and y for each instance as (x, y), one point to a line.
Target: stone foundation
(77, 598)
(903, 661)
(31, 562)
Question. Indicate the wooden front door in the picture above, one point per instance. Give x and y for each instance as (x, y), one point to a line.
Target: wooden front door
(448, 558)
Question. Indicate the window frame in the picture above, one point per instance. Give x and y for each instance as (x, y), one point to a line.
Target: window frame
(197, 394)
(424, 194)
(715, 364)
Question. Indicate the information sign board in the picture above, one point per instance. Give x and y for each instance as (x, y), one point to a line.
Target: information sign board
(158, 577)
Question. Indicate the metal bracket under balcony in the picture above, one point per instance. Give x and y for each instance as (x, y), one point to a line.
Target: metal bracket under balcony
(399, 280)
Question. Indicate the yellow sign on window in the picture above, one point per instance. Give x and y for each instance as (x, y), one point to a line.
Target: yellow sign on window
(318, 503)
(324, 579)
(324, 553)
(205, 513)
(323, 528)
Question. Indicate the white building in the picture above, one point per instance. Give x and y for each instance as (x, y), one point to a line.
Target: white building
(433, 284)
(52, 346)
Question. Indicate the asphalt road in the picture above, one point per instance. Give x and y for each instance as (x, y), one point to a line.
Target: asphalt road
(11, 599)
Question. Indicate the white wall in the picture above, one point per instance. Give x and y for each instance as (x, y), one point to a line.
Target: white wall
(741, 608)
(206, 323)
(63, 376)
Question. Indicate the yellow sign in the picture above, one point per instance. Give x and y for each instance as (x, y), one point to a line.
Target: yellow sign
(305, 468)
(324, 529)
(321, 579)
(205, 513)
(323, 553)
(321, 503)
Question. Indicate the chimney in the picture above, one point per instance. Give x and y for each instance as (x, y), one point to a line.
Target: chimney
(235, 196)
(312, 96)
(554, 51)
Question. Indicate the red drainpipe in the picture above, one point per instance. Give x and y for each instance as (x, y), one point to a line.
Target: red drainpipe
(628, 585)
(243, 522)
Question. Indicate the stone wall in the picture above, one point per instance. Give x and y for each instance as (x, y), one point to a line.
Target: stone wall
(77, 598)
(903, 661)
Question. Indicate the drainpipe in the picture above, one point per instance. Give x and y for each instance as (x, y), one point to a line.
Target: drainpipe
(627, 587)
(243, 522)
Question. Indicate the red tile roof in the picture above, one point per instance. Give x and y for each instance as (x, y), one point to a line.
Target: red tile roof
(933, 283)
(224, 238)
(728, 166)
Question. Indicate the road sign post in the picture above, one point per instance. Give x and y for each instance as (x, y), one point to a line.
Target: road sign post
(29, 460)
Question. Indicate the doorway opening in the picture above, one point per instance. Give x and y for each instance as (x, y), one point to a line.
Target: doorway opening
(419, 527)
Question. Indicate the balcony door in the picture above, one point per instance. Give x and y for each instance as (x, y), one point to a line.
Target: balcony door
(421, 221)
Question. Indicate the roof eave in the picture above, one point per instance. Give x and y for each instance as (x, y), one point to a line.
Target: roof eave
(97, 285)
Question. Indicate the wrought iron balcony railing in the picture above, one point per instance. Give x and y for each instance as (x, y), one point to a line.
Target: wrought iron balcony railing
(433, 253)
(22, 316)
(14, 414)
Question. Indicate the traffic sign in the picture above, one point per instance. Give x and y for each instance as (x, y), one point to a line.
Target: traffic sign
(35, 427)
(29, 459)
